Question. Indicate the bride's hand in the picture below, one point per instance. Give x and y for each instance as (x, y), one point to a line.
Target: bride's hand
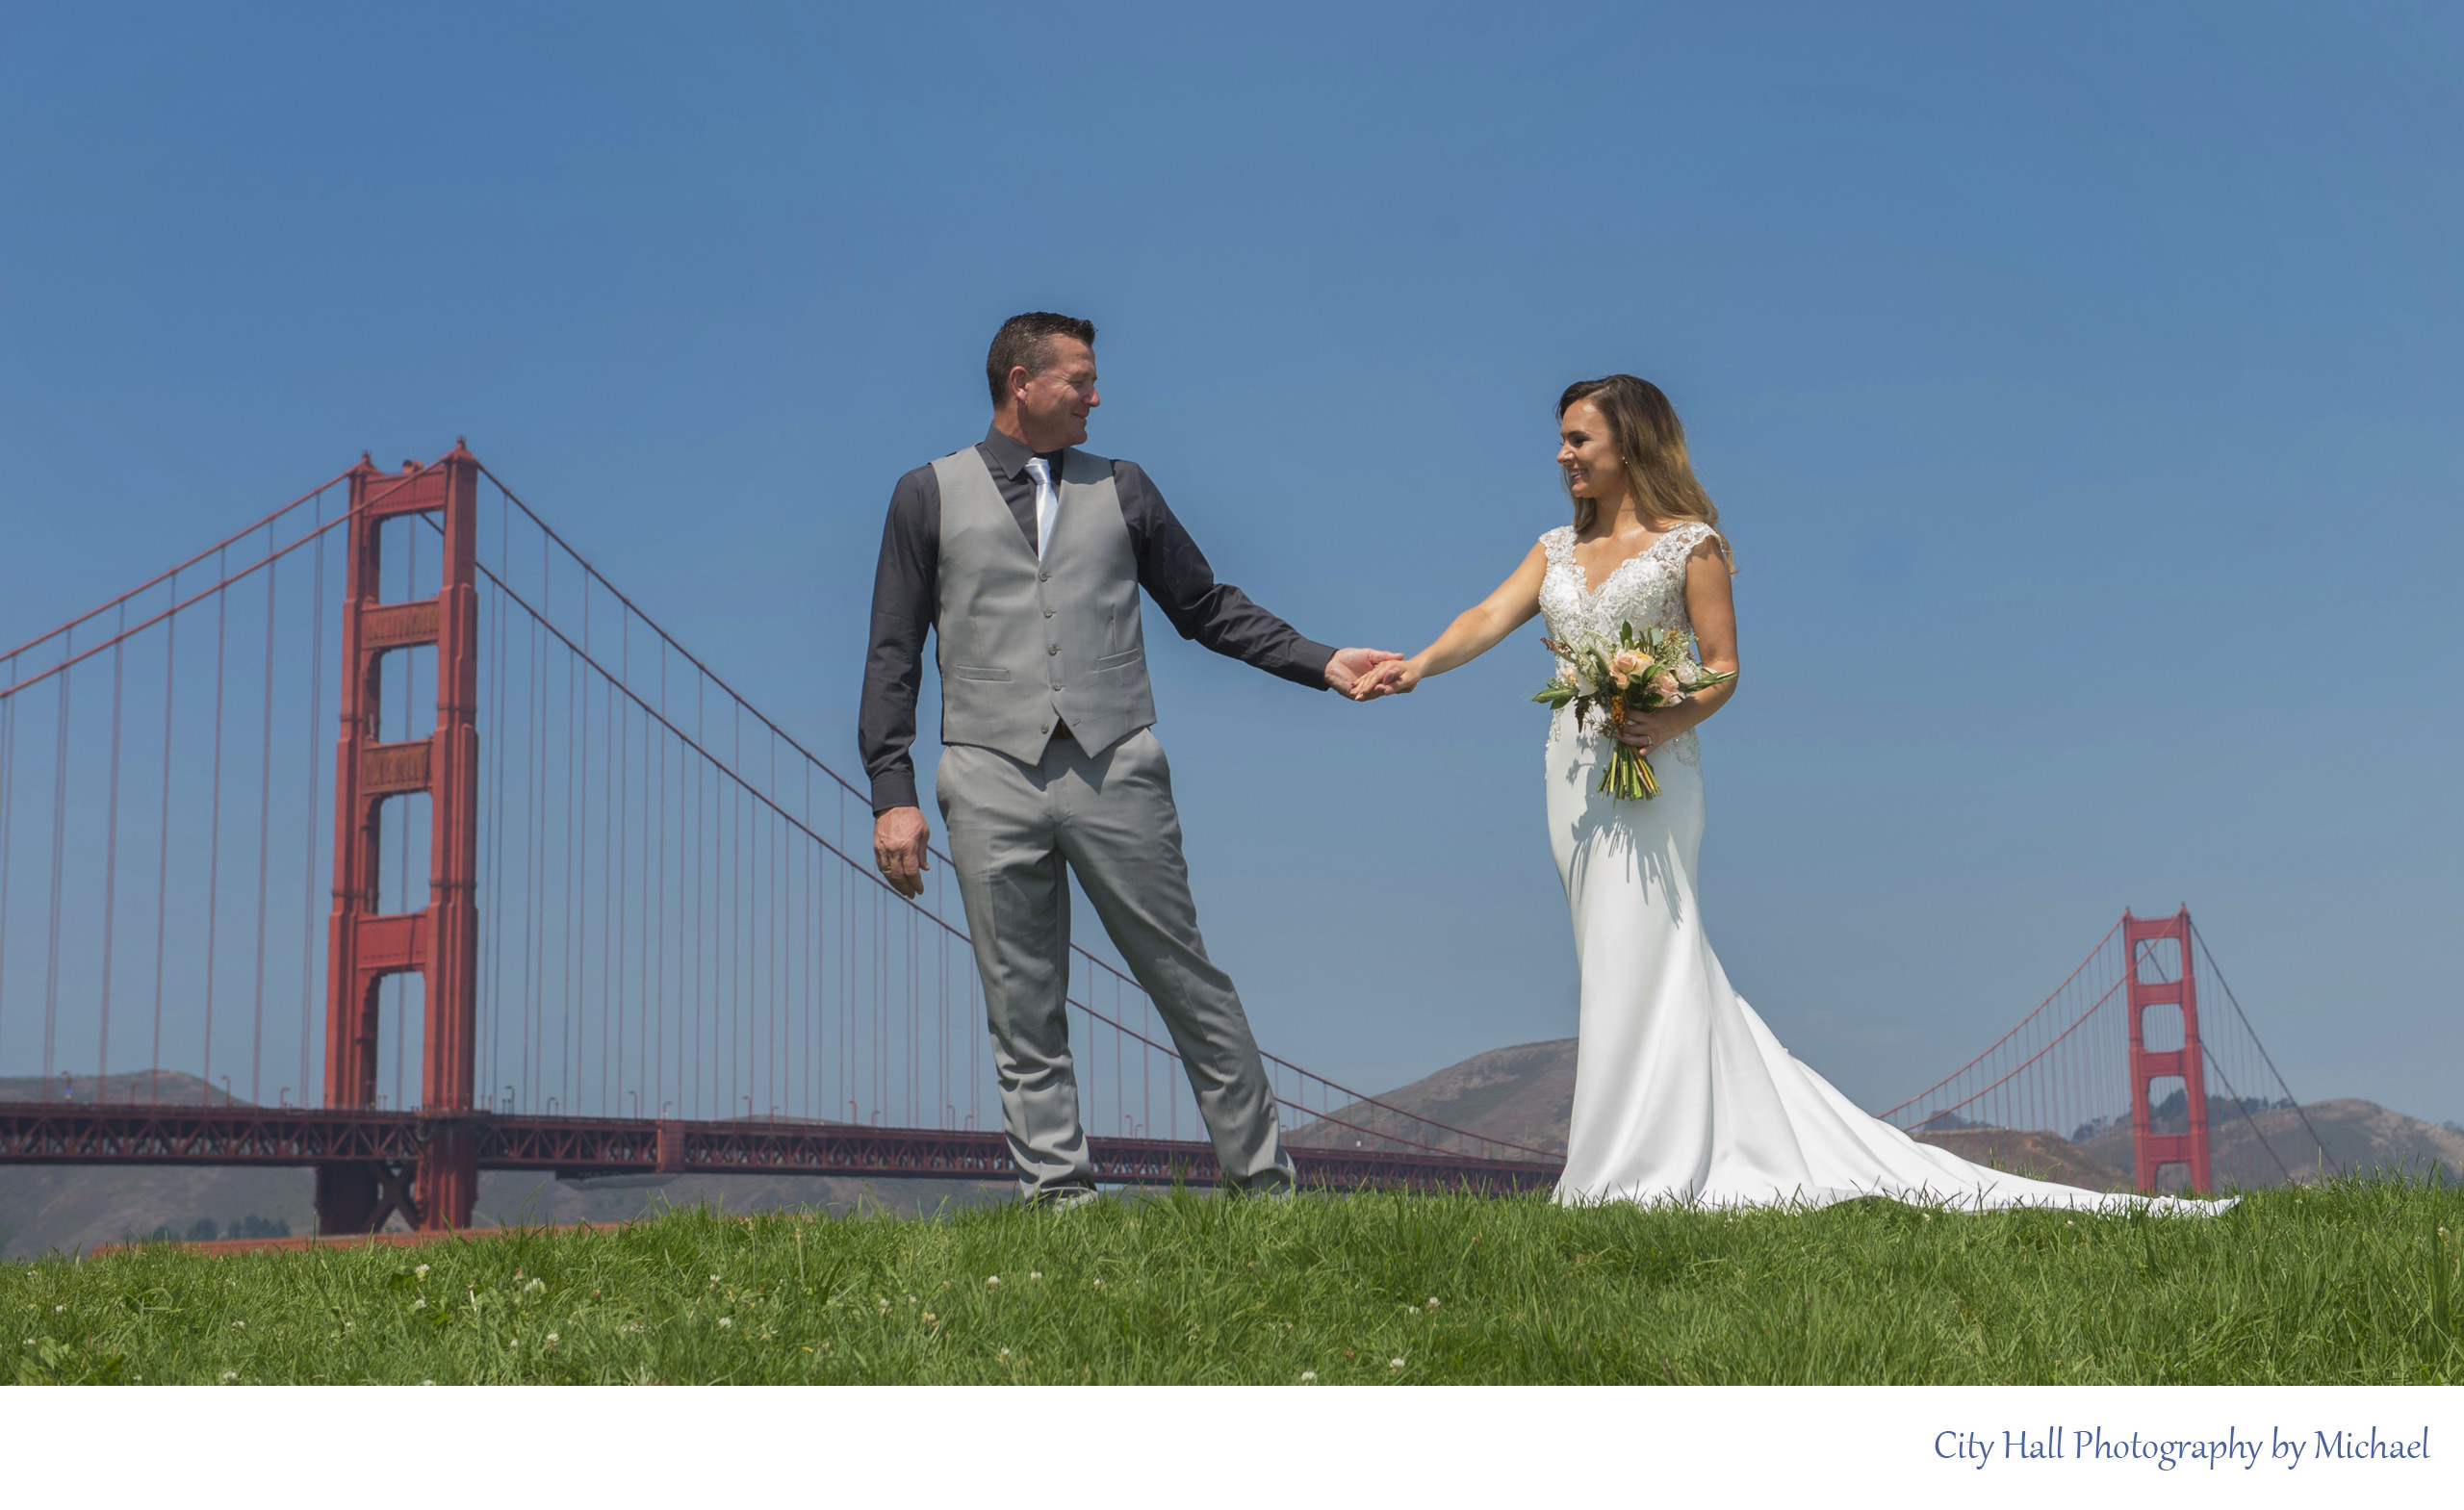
(1646, 730)
(1390, 678)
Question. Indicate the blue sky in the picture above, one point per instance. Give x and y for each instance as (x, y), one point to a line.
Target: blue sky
(2081, 389)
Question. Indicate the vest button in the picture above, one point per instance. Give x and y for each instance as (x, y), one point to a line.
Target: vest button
(1047, 729)
(1052, 649)
(1056, 686)
(1047, 613)
(1043, 576)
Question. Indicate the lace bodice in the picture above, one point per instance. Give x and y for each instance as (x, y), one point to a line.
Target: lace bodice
(1647, 591)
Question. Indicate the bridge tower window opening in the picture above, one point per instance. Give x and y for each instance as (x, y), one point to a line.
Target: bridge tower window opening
(2158, 961)
(401, 1039)
(406, 694)
(2160, 1028)
(411, 564)
(402, 851)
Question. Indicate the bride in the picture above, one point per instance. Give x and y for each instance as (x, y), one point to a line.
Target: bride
(1681, 1095)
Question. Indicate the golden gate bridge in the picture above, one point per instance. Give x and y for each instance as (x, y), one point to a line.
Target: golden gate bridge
(558, 898)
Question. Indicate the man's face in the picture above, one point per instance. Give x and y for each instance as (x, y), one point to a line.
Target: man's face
(1053, 404)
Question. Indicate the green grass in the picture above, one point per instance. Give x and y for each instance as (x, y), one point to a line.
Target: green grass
(2346, 1283)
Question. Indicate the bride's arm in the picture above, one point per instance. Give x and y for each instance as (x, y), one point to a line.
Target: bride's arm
(1474, 632)
(1712, 607)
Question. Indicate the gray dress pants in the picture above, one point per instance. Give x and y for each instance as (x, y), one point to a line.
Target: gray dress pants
(1110, 818)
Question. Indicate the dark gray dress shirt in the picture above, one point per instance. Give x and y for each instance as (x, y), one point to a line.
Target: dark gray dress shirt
(1170, 567)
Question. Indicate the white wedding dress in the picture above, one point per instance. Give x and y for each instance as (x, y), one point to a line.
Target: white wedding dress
(1681, 1095)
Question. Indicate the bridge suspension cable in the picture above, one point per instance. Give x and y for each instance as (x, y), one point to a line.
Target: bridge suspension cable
(674, 922)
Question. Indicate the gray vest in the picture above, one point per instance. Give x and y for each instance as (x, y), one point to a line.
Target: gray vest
(1027, 644)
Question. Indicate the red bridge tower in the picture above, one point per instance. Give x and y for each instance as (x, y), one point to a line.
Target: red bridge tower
(440, 942)
(2155, 1149)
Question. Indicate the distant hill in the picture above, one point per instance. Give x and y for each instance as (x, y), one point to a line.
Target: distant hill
(2360, 1136)
(1524, 1094)
(2039, 1156)
(160, 1087)
(70, 1208)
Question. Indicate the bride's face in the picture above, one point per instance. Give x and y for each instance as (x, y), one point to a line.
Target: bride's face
(1588, 453)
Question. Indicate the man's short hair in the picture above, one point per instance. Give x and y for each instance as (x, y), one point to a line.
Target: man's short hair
(1025, 341)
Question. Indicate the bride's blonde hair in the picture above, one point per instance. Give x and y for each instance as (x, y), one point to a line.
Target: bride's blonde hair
(1652, 443)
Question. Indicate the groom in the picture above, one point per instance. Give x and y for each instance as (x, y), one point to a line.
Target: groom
(1026, 555)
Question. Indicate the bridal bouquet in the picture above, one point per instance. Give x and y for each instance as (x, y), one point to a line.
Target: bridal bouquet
(1637, 672)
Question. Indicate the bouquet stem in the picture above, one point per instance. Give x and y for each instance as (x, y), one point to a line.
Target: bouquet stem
(1630, 775)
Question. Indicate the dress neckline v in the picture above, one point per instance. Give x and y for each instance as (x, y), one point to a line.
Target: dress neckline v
(1582, 576)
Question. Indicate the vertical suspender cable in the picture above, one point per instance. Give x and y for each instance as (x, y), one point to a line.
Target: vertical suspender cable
(569, 959)
(58, 851)
(162, 847)
(611, 908)
(265, 840)
(817, 959)
(308, 878)
(700, 785)
(529, 863)
(7, 792)
(214, 844)
(111, 869)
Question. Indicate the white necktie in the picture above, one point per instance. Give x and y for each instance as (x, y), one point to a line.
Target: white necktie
(1047, 503)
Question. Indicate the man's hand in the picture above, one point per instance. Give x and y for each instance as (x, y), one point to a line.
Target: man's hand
(899, 837)
(1345, 671)
(1392, 680)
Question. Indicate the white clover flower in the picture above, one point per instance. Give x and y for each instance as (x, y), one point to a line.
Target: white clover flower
(537, 1287)
(239, 1326)
(60, 1310)
(930, 1320)
(725, 1323)
(1394, 1364)
(230, 1375)
(1003, 1353)
(421, 1304)
(1309, 1376)
(553, 1340)
(992, 1281)
(1432, 1303)
(1036, 1273)
(421, 1272)
(427, 1381)
(1097, 1285)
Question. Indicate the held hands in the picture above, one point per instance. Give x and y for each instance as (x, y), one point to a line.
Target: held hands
(1345, 673)
(1387, 679)
(900, 839)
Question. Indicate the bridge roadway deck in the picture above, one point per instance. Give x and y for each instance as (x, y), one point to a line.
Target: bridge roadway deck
(65, 1133)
